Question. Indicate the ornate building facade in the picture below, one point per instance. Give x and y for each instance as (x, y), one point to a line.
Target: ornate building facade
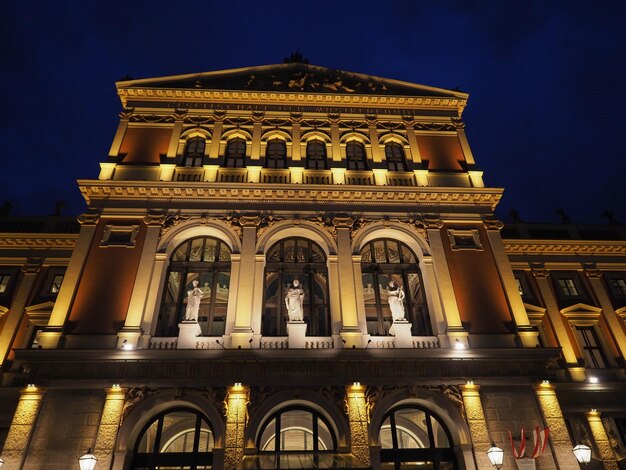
(294, 267)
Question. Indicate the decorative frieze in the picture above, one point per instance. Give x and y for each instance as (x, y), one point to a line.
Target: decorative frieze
(565, 247)
(38, 241)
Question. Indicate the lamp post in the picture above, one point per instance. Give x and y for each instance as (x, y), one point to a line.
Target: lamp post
(496, 455)
(582, 453)
(1, 462)
(87, 461)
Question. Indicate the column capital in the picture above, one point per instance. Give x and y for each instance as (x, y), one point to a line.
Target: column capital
(32, 266)
(592, 271)
(491, 223)
(539, 270)
(126, 113)
(91, 217)
(343, 222)
(180, 114)
(155, 218)
(249, 220)
(432, 221)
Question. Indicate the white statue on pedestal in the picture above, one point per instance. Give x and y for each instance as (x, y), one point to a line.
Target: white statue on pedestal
(194, 296)
(395, 297)
(294, 300)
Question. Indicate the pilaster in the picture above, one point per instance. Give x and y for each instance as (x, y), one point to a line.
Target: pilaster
(334, 138)
(109, 425)
(18, 304)
(176, 132)
(358, 417)
(236, 408)
(114, 151)
(553, 418)
(22, 427)
(477, 423)
(602, 440)
(49, 338)
(216, 137)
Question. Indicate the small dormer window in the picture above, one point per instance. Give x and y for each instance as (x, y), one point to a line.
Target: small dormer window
(355, 155)
(276, 154)
(316, 155)
(235, 153)
(394, 154)
(194, 152)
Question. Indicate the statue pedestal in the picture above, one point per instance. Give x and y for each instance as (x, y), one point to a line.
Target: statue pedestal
(402, 331)
(296, 330)
(188, 331)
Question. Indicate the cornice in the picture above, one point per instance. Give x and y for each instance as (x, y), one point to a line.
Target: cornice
(456, 104)
(246, 193)
(565, 247)
(37, 241)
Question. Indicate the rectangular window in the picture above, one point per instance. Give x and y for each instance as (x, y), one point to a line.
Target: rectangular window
(120, 235)
(5, 279)
(520, 288)
(590, 346)
(568, 287)
(618, 287)
(55, 285)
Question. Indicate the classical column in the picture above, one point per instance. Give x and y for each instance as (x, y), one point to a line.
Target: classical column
(559, 324)
(22, 427)
(615, 325)
(477, 423)
(454, 330)
(242, 331)
(16, 310)
(527, 334)
(216, 136)
(148, 324)
(257, 131)
(131, 331)
(602, 440)
(49, 338)
(553, 418)
(434, 301)
(125, 115)
(373, 134)
(358, 417)
(109, 424)
(334, 137)
(410, 135)
(295, 137)
(350, 332)
(172, 150)
(236, 407)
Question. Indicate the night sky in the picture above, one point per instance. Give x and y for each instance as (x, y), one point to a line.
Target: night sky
(546, 80)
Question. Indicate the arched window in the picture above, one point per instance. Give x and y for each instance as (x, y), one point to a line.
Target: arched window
(202, 262)
(355, 154)
(235, 153)
(383, 261)
(316, 155)
(304, 260)
(194, 152)
(276, 154)
(394, 154)
(413, 435)
(176, 438)
(296, 429)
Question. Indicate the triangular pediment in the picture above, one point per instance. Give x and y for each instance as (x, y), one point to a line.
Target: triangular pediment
(39, 314)
(292, 78)
(535, 313)
(582, 314)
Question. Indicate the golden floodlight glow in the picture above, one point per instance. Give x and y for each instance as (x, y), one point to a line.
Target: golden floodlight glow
(115, 386)
(31, 387)
(459, 345)
(593, 380)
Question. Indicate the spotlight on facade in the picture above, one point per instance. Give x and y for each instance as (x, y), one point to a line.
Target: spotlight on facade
(126, 346)
(356, 384)
(495, 455)
(459, 345)
(87, 461)
(582, 453)
(545, 382)
(593, 379)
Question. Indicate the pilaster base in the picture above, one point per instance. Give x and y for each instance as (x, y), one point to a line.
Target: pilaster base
(577, 373)
(402, 332)
(188, 331)
(351, 338)
(296, 330)
(457, 337)
(528, 337)
(242, 338)
(130, 335)
(49, 338)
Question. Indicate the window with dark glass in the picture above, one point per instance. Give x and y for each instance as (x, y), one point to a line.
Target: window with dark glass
(5, 280)
(524, 286)
(235, 153)
(411, 437)
(394, 154)
(296, 429)
(8, 276)
(590, 346)
(201, 261)
(355, 155)
(617, 285)
(304, 260)
(177, 439)
(383, 261)
(194, 152)
(316, 155)
(276, 154)
(567, 287)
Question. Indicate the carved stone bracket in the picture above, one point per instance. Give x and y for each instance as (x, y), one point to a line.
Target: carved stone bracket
(458, 123)
(592, 271)
(434, 126)
(152, 118)
(154, 218)
(127, 113)
(539, 270)
(432, 221)
(491, 223)
(32, 266)
(90, 217)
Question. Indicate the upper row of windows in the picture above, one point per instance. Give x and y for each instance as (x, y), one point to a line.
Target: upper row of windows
(276, 155)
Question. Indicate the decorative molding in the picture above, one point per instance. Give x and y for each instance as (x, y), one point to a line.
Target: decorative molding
(32, 266)
(491, 223)
(592, 271)
(432, 221)
(539, 270)
(135, 396)
(153, 118)
(91, 217)
(565, 247)
(244, 193)
(265, 223)
(464, 239)
(155, 218)
(582, 314)
(38, 241)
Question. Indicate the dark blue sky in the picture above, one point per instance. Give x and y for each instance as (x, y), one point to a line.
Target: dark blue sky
(546, 80)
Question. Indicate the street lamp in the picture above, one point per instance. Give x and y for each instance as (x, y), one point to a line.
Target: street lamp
(87, 461)
(582, 453)
(496, 455)
(1, 462)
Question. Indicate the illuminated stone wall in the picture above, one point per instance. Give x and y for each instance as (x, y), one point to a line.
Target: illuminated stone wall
(109, 424)
(359, 419)
(602, 440)
(236, 404)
